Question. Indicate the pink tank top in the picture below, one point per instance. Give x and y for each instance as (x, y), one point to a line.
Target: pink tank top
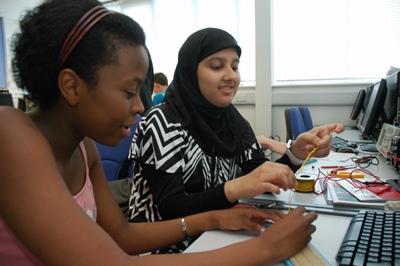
(13, 252)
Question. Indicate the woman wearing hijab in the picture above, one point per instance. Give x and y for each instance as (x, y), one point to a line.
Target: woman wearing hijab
(187, 150)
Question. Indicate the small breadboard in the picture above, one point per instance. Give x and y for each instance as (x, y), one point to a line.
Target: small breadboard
(308, 256)
(346, 174)
(385, 139)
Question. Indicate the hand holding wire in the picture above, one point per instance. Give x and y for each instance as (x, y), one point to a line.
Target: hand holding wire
(309, 156)
(317, 137)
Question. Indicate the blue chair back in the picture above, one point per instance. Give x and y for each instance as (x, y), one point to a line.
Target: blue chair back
(298, 121)
(115, 159)
(294, 123)
(305, 113)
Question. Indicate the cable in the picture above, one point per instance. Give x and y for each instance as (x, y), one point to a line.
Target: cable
(272, 137)
(355, 182)
(396, 119)
(368, 160)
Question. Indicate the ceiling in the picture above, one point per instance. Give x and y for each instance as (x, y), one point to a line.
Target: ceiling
(13, 8)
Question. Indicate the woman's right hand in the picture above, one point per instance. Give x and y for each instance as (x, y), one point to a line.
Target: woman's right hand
(268, 177)
(289, 235)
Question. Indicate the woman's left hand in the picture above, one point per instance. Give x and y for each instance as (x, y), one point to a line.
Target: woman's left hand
(316, 137)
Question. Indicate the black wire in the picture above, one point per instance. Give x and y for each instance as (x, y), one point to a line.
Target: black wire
(368, 160)
(323, 186)
(327, 178)
(266, 155)
(272, 137)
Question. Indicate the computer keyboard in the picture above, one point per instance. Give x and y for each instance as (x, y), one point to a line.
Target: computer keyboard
(373, 238)
(338, 142)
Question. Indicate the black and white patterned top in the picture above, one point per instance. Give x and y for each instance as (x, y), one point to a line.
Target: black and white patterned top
(173, 177)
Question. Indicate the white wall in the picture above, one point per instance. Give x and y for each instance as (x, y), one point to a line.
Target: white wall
(10, 27)
(327, 104)
(265, 104)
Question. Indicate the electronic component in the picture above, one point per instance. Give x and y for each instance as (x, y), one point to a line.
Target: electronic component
(345, 174)
(384, 142)
(395, 153)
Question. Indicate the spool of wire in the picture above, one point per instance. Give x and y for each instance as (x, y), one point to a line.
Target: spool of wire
(306, 182)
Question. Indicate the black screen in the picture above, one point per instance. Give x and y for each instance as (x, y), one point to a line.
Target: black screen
(6, 99)
(358, 105)
(392, 97)
(374, 108)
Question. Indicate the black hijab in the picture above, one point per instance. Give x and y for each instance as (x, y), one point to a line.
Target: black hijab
(219, 131)
(147, 87)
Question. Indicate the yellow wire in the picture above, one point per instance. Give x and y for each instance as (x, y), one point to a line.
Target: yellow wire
(305, 185)
(305, 161)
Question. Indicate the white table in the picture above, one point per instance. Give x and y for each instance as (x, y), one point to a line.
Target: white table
(332, 223)
(325, 239)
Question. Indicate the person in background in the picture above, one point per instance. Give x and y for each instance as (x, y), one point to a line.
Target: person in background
(271, 144)
(160, 86)
(187, 150)
(85, 66)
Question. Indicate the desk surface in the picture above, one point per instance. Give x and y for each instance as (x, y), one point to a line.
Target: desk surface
(325, 239)
(317, 202)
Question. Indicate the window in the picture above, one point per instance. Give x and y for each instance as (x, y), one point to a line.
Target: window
(168, 23)
(335, 41)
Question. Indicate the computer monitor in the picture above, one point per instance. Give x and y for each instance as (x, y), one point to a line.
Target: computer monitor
(358, 105)
(391, 106)
(374, 109)
(6, 99)
(368, 91)
(21, 104)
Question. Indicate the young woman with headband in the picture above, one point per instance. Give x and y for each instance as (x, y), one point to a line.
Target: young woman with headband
(84, 66)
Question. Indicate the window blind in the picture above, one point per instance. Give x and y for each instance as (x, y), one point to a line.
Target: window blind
(333, 41)
(168, 23)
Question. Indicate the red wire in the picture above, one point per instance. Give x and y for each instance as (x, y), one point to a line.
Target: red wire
(356, 183)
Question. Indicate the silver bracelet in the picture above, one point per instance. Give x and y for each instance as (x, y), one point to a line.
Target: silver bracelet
(290, 154)
(184, 230)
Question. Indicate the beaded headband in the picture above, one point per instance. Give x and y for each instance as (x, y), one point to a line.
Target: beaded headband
(79, 30)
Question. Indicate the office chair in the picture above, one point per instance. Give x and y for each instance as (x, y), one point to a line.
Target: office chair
(298, 121)
(305, 113)
(115, 160)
